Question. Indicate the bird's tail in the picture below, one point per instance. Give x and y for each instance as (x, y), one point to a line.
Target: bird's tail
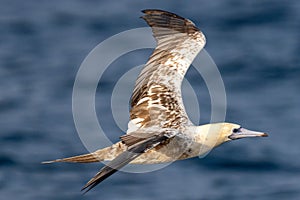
(105, 154)
(85, 158)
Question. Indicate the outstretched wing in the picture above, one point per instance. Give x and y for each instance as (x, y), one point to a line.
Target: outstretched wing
(156, 99)
(138, 143)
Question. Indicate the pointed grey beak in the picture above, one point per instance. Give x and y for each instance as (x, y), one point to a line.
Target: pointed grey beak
(244, 133)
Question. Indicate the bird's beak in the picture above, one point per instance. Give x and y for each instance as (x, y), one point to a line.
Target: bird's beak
(244, 133)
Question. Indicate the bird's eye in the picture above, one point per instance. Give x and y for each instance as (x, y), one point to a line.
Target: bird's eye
(235, 130)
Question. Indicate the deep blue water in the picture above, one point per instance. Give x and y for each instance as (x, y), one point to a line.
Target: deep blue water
(255, 45)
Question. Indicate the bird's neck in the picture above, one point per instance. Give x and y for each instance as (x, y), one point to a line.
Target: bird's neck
(208, 134)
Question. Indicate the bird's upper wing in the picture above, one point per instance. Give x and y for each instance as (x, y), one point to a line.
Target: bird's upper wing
(156, 99)
(137, 143)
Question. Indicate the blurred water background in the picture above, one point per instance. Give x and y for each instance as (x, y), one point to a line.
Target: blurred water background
(255, 45)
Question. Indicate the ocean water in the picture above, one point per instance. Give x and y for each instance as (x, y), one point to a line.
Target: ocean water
(255, 45)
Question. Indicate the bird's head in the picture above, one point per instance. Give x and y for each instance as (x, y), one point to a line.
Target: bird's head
(218, 133)
(231, 131)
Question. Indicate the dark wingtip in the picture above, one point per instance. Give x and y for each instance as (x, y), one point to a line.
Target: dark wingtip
(160, 12)
(163, 19)
(149, 10)
(144, 11)
(88, 187)
(85, 189)
(154, 10)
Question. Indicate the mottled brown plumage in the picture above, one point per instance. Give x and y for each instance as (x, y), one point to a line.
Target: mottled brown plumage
(156, 98)
(159, 129)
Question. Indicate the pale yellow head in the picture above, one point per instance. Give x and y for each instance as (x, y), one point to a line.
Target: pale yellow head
(215, 134)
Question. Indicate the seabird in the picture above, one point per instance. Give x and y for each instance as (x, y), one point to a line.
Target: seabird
(159, 129)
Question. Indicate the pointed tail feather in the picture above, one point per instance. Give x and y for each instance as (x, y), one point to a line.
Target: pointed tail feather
(85, 158)
(107, 153)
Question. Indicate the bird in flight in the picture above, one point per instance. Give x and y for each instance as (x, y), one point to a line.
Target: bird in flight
(159, 129)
